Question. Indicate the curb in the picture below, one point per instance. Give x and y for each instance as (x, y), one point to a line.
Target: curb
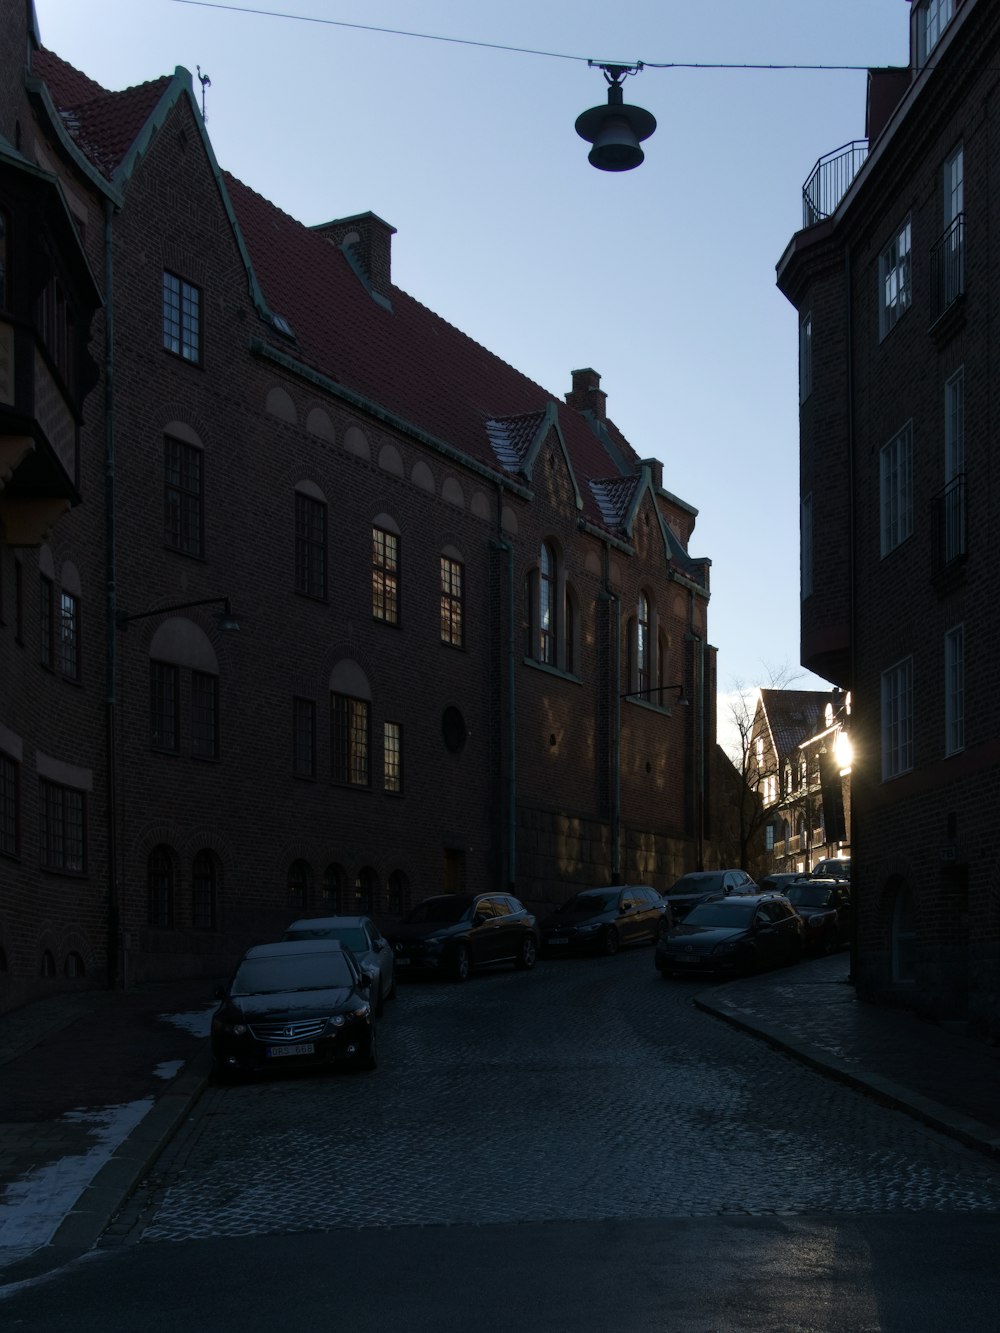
(81, 1228)
(966, 1130)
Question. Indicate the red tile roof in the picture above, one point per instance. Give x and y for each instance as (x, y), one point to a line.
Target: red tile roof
(794, 716)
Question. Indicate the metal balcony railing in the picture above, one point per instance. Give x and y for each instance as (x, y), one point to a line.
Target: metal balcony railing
(949, 523)
(948, 268)
(830, 179)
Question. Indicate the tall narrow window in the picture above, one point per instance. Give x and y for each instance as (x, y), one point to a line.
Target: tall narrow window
(948, 253)
(61, 827)
(452, 626)
(204, 715)
(392, 750)
(299, 884)
(642, 680)
(46, 615)
(310, 545)
(160, 888)
(385, 576)
(69, 635)
(350, 740)
(364, 890)
(953, 496)
(204, 892)
(546, 646)
(895, 279)
(933, 16)
(183, 517)
(954, 690)
(10, 830)
(333, 889)
(805, 356)
(181, 318)
(304, 738)
(897, 719)
(164, 718)
(896, 477)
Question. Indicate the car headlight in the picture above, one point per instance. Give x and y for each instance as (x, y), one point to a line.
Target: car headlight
(337, 1021)
(236, 1029)
(589, 928)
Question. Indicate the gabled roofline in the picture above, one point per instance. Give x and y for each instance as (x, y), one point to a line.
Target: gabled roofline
(38, 91)
(550, 421)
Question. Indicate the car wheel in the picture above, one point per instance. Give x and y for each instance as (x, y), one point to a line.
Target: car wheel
(527, 953)
(461, 963)
(610, 940)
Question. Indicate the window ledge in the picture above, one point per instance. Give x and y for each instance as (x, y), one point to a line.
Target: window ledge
(551, 670)
(664, 709)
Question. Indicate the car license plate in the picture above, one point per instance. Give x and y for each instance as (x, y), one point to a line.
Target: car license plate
(558, 939)
(403, 962)
(303, 1048)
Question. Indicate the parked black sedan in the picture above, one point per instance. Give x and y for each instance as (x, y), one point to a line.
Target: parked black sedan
(605, 919)
(733, 936)
(453, 933)
(825, 907)
(296, 1004)
(702, 886)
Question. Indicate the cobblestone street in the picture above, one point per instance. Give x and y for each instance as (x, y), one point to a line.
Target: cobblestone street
(587, 1089)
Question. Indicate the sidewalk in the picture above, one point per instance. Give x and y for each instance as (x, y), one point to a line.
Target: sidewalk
(949, 1081)
(91, 1087)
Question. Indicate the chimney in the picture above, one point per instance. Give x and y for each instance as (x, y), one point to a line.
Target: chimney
(367, 241)
(587, 394)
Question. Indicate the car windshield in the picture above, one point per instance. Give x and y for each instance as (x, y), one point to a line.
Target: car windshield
(832, 870)
(588, 903)
(352, 936)
(696, 884)
(316, 971)
(733, 914)
(440, 909)
(808, 895)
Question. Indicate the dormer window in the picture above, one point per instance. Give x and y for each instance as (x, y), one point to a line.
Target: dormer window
(932, 16)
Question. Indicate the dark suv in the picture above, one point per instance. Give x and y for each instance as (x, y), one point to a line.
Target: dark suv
(702, 886)
(455, 932)
(733, 935)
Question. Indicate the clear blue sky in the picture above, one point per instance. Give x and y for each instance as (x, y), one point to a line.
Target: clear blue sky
(661, 279)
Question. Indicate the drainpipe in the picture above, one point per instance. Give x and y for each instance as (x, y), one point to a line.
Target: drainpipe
(698, 737)
(510, 813)
(116, 969)
(852, 609)
(616, 721)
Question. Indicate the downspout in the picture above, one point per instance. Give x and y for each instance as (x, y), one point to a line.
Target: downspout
(116, 970)
(698, 738)
(616, 721)
(510, 812)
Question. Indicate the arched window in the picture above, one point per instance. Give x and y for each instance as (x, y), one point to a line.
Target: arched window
(547, 584)
(204, 891)
(160, 888)
(299, 884)
(73, 966)
(48, 964)
(642, 647)
(904, 936)
(364, 891)
(333, 889)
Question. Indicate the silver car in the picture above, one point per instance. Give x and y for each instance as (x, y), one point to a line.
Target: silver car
(365, 941)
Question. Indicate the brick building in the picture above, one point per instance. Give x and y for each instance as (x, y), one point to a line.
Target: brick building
(465, 608)
(893, 277)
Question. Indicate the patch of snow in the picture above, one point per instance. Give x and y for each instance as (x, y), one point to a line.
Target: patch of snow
(196, 1021)
(168, 1069)
(32, 1208)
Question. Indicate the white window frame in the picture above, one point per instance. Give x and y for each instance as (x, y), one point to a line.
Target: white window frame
(897, 719)
(933, 16)
(895, 279)
(954, 690)
(896, 490)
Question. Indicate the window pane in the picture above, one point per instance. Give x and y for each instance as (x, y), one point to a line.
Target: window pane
(392, 745)
(69, 635)
(451, 602)
(182, 497)
(385, 576)
(163, 713)
(310, 545)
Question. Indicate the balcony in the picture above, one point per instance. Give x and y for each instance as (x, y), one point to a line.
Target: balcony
(948, 268)
(830, 179)
(948, 524)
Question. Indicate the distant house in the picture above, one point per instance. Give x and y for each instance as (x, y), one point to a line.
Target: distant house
(801, 776)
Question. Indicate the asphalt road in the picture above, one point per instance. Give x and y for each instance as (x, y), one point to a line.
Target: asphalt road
(577, 1147)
